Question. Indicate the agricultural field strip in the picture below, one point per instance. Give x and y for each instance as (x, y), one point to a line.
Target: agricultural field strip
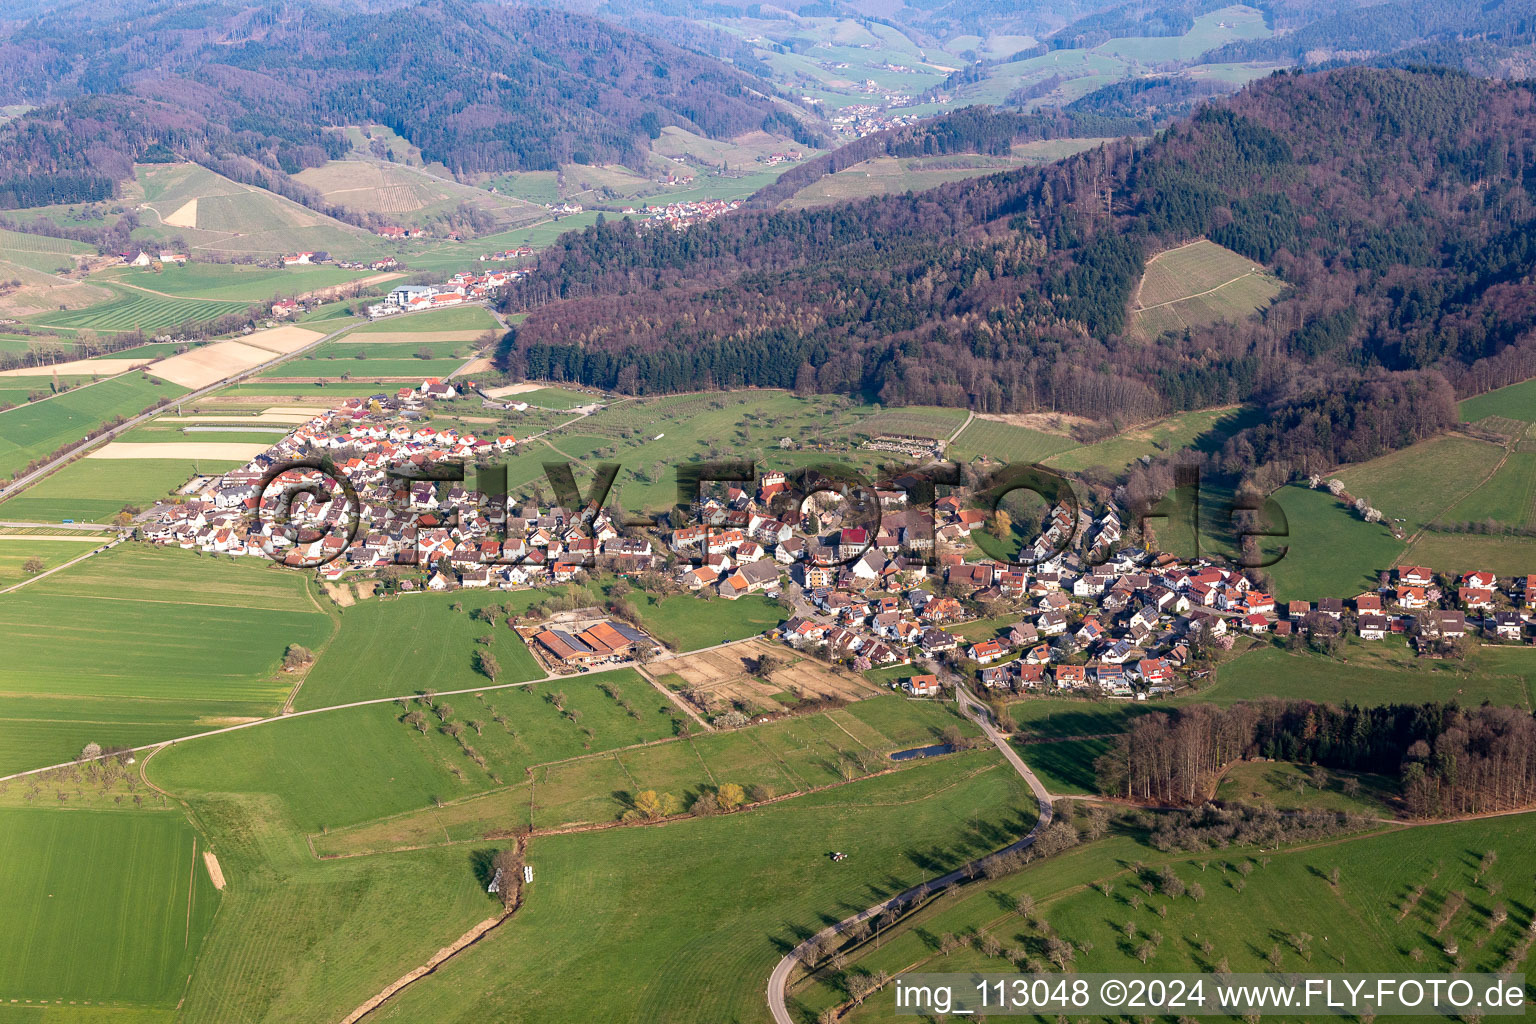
(312, 711)
(20, 484)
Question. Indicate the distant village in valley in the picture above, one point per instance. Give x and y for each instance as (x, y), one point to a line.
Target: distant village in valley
(1087, 609)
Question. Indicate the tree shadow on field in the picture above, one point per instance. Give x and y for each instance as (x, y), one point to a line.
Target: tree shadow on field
(480, 862)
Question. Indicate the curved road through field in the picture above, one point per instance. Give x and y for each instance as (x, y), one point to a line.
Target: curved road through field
(973, 709)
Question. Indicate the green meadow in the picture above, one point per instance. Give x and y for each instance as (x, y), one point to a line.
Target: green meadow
(1203, 428)
(15, 552)
(1252, 903)
(370, 368)
(108, 908)
(94, 490)
(786, 756)
(729, 896)
(389, 646)
(1329, 551)
(1005, 442)
(456, 318)
(1515, 402)
(1460, 552)
(1508, 497)
(1292, 787)
(38, 428)
(1376, 672)
(228, 282)
(144, 643)
(334, 768)
(296, 939)
(686, 623)
(1395, 483)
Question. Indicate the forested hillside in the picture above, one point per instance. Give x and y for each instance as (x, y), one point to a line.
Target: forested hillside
(1397, 205)
(476, 86)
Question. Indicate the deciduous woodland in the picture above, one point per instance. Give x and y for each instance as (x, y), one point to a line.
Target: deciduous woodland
(1397, 206)
(1451, 760)
(477, 87)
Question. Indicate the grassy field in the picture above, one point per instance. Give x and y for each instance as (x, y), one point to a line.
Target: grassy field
(457, 318)
(1358, 925)
(1508, 497)
(685, 623)
(783, 757)
(94, 490)
(259, 390)
(341, 363)
(1197, 284)
(129, 309)
(1291, 787)
(1011, 444)
(1203, 428)
(701, 951)
(14, 553)
(105, 907)
(1516, 402)
(300, 940)
(340, 768)
(896, 175)
(447, 257)
(31, 388)
(38, 428)
(234, 282)
(1329, 551)
(1394, 483)
(137, 640)
(215, 214)
(1065, 766)
(554, 398)
(386, 647)
(1374, 672)
(1209, 31)
(1456, 553)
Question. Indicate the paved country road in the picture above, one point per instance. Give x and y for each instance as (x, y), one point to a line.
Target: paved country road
(973, 709)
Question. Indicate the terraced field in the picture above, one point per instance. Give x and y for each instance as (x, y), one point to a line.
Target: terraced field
(916, 421)
(131, 310)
